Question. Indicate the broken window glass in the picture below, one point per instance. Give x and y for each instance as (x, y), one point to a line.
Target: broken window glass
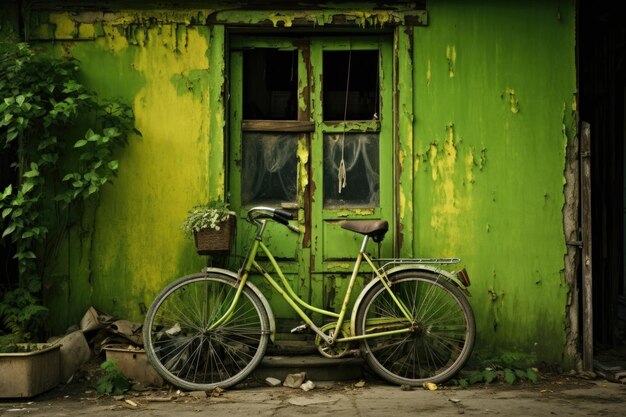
(269, 168)
(351, 170)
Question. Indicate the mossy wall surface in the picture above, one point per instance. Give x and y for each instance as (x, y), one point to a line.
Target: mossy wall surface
(494, 97)
(482, 135)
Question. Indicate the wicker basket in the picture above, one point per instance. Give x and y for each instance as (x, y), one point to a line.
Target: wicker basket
(210, 241)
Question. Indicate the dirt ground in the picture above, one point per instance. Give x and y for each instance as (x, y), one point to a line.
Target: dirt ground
(554, 394)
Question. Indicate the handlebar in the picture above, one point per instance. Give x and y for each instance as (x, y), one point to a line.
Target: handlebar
(278, 215)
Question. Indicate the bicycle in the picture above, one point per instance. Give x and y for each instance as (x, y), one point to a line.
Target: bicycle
(413, 320)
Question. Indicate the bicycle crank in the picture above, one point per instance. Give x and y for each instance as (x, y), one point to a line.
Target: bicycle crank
(335, 350)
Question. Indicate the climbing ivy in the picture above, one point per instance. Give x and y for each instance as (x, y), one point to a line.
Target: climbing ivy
(61, 140)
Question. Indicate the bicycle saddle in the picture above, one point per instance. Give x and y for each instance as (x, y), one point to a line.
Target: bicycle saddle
(375, 229)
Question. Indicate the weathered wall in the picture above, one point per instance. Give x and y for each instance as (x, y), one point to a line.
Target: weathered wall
(494, 93)
(134, 246)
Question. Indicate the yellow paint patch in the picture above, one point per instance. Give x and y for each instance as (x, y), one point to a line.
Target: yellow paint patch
(469, 167)
(403, 204)
(514, 105)
(113, 40)
(287, 21)
(432, 158)
(445, 209)
(86, 31)
(175, 128)
(451, 57)
(65, 28)
(428, 73)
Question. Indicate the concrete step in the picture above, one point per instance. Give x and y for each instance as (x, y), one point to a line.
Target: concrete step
(317, 367)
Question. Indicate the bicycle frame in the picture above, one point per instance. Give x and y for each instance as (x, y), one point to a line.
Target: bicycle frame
(298, 304)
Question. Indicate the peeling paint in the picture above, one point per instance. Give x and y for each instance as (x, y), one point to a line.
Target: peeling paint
(360, 14)
(86, 31)
(65, 27)
(469, 167)
(303, 175)
(512, 99)
(287, 21)
(171, 67)
(443, 165)
(451, 57)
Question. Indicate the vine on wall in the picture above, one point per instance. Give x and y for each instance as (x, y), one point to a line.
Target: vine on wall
(62, 140)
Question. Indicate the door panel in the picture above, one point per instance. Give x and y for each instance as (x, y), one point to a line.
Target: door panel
(353, 171)
(311, 132)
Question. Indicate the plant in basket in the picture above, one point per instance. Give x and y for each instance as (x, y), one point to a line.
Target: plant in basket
(212, 227)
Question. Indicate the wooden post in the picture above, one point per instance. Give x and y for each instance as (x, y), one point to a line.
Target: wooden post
(587, 302)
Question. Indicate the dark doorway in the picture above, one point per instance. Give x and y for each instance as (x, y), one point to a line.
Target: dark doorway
(602, 70)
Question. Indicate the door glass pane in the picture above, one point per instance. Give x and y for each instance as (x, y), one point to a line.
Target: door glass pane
(360, 83)
(356, 155)
(270, 79)
(269, 168)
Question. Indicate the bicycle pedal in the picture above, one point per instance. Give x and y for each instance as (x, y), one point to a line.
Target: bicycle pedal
(300, 328)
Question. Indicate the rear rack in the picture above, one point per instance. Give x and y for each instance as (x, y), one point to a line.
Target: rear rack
(386, 262)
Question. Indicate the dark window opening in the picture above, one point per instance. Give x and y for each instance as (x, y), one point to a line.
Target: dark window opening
(361, 85)
(270, 79)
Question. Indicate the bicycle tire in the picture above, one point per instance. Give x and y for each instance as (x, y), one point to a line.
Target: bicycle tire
(442, 332)
(185, 352)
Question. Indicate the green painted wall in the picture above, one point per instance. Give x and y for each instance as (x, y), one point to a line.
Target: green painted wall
(483, 139)
(494, 93)
(118, 259)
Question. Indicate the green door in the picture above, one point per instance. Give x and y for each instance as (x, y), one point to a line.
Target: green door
(311, 132)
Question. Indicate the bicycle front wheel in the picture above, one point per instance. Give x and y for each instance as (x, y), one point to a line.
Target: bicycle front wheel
(186, 346)
(439, 335)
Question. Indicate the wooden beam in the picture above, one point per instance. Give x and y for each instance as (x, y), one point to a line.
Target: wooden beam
(587, 301)
(292, 126)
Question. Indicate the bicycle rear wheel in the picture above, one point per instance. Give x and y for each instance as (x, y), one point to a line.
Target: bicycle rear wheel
(187, 351)
(441, 330)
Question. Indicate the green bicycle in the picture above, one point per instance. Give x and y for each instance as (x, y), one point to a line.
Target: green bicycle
(413, 321)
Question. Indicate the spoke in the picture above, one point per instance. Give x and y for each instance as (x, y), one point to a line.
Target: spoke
(438, 340)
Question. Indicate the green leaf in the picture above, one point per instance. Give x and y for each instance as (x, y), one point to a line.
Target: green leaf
(113, 165)
(50, 158)
(6, 212)
(12, 134)
(476, 377)
(532, 375)
(111, 132)
(9, 230)
(32, 173)
(27, 186)
(80, 143)
(91, 136)
(489, 375)
(20, 100)
(509, 376)
(7, 191)
(520, 373)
